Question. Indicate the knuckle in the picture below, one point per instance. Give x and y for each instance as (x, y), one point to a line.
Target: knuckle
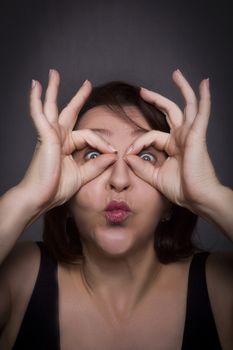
(191, 102)
(73, 109)
(32, 98)
(49, 100)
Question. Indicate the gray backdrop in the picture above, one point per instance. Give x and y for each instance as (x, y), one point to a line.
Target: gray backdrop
(141, 42)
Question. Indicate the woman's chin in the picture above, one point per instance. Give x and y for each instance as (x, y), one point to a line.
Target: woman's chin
(114, 241)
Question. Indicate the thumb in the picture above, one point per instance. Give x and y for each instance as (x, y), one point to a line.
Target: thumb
(95, 167)
(142, 169)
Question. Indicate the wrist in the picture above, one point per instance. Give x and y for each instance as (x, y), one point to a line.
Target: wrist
(217, 208)
(21, 204)
(211, 200)
(16, 214)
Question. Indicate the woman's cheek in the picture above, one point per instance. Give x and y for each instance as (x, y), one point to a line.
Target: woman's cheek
(89, 196)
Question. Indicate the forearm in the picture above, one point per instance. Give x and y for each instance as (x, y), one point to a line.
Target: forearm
(16, 214)
(218, 209)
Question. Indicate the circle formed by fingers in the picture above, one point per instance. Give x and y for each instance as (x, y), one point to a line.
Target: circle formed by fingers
(156, 138)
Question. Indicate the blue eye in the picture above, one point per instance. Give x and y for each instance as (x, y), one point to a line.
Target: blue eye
(89, 153)
(149, 156)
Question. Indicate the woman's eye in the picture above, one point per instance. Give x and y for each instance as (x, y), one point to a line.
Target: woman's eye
(148, 156)
(91, 154)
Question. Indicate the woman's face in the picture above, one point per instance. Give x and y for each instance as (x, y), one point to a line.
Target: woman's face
(117, 182)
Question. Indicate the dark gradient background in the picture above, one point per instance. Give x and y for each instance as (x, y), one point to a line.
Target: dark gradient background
(141, 42)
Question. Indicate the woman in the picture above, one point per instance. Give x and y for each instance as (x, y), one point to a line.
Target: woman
(118, 268)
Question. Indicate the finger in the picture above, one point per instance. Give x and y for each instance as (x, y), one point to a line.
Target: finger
(95, 167)
(142, 168)
(84, 137)
(201, 121)
(50, 102)
(174, 115)
(69, 114)
(158, 139)
(188, 94)
(36, 109)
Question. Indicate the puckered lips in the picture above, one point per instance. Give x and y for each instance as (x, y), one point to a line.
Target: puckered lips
(117, 212)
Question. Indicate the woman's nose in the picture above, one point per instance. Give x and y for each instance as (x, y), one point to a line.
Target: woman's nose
(119, 177)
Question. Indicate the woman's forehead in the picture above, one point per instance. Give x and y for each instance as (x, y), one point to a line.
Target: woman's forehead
(102, 117)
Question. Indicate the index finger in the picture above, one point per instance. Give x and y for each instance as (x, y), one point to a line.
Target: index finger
(157, 139)
(69, 114)
(83, 138)
(174, 115)
(188, 95)
(50, 102)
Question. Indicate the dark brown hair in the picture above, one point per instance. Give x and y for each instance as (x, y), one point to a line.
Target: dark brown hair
(172, 239)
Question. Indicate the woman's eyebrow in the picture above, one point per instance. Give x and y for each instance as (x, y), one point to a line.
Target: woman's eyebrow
(110, 133)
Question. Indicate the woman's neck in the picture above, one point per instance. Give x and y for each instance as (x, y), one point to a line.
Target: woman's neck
(121, 283)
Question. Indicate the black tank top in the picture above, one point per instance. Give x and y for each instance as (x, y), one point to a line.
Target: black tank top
(40, 327)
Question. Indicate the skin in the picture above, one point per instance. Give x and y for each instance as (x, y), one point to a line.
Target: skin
(112, 252)
(123, 257)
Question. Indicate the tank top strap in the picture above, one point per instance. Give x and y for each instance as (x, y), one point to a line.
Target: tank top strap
(200, 331)
(40, 327)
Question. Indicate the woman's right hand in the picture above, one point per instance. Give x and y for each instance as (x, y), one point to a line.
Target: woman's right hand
(53, 176)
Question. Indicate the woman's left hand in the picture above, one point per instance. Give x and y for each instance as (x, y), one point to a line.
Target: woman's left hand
(187, 176)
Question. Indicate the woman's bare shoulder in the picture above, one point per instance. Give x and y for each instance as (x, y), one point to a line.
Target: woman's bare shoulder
(19, 270)
(219, 270)
(18, 274)
(219, 277)
(21, 265)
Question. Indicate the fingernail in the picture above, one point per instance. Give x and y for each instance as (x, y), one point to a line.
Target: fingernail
(112, 148)
(178, 71)
(33, 83)
(129, 149)
(85, 82)
(50, 72)
(142, 88)
(207, 82)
